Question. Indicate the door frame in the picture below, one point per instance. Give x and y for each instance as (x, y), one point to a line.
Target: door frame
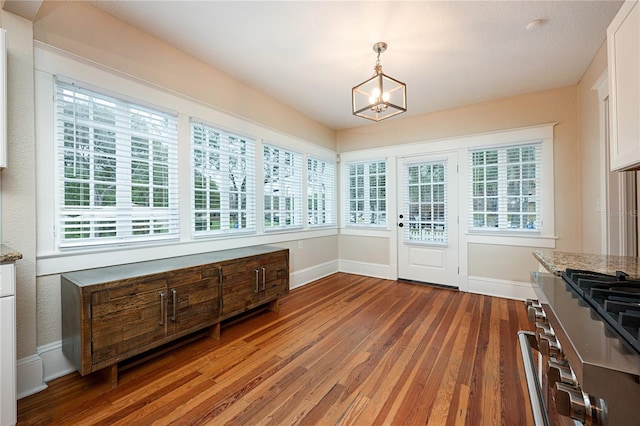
(454, 215)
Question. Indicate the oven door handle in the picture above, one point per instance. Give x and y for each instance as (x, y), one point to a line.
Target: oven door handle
(527, 341)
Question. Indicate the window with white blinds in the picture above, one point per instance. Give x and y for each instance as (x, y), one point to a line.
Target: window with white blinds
(321, 192)
(282, 176)
(426, 203)
(224, 193)
(117, 169)
(505, 188)
(366, 204)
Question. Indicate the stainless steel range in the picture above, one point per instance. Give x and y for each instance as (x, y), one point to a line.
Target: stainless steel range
(583, 361)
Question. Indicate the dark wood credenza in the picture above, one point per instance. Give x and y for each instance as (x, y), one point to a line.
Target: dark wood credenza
(113, 313)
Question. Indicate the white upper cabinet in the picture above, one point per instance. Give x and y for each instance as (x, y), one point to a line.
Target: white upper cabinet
(623, 47)
(3, 99)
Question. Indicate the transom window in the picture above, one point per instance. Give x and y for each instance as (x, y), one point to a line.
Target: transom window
(223, 181)
(282, 174)
(367, 193)
(117, 176)
(505, 188)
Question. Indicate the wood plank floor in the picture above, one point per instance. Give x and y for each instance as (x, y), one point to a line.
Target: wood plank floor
(344, 350)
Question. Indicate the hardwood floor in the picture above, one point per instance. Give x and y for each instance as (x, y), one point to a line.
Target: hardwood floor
(344, 350)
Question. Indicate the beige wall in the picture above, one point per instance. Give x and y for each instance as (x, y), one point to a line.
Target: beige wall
(590, 154)
(557, 105)
(18, 179)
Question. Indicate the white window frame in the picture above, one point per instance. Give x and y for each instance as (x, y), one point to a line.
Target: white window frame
(321, 192)
(289, 188)
(502, 196)
(85, 135)
(365, 197)
(246, 209)
(50, 62)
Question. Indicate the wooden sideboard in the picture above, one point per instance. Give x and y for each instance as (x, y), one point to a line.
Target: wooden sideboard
(113, 313)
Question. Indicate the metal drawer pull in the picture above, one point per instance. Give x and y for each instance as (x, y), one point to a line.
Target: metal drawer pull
(527, 341)
(162, 313)
(173, 295)
(264, 278)
(257, 283)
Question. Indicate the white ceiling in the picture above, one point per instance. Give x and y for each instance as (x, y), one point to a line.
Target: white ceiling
(309, 54)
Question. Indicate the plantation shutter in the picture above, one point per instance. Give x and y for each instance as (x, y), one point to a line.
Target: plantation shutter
(504, 188)
(117, 169)
(224, 191)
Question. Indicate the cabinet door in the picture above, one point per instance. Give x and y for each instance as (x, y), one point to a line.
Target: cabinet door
(623, 47)
(241, 282)
(276, 270)
(127, 317)
(193, 298)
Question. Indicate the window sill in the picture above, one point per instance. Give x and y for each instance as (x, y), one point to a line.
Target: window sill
(503, 239)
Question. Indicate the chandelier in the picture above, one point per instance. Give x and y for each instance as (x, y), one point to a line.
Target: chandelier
(380, 96)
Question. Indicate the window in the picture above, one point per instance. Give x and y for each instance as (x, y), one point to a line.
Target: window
(367, 189)
(117, 175)
(224, 193)
(321, 183)
(505, 188)
(282, 188)
(426, 202)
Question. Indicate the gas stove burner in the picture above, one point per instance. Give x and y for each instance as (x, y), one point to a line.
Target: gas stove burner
(614, 298)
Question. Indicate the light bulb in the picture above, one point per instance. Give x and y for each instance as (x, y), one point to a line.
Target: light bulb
(375, 96)
(386, 96)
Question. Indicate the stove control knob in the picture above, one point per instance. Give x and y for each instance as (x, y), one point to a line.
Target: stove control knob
(560, 372)
(543, 327)
(536, 313)
(572, 402)
(550, 347)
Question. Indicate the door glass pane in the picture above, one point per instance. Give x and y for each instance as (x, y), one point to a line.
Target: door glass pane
(426, 203)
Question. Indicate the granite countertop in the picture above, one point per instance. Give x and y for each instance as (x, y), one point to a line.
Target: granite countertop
(7, 254)
(557, 261)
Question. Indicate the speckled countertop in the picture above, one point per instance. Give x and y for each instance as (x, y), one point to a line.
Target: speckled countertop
(7, 254)
(557, 261)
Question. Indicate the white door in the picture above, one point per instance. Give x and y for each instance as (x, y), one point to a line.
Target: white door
(428, 219)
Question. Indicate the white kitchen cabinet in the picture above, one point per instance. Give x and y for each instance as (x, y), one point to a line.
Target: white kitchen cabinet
(623, 48)
(7, 345)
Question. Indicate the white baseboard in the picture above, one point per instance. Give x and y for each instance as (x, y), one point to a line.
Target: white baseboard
(305, 276)
(30, 376)
(368, 269)
(501, 288)
(55, 364)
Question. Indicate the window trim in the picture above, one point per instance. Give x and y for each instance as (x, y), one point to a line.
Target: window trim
(347, 195)
(331, 209)
(123, 160)
(501, 194)
(251, 209)
(297, 211)
(50, 62)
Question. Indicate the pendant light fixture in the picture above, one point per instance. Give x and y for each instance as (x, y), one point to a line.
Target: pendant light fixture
(380, 96)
